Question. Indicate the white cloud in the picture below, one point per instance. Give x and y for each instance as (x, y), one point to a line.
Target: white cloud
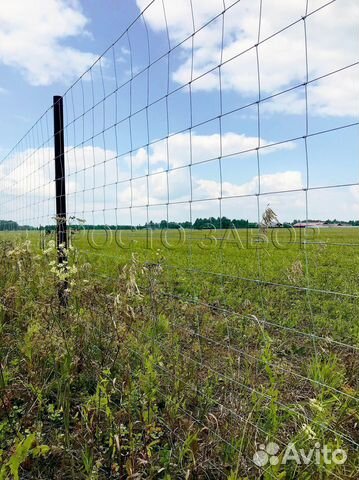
(184, 149)
(92, 173)
(274, 182)
(183, 184)
(31, 172)
(97, 183)
(332, 39)
(32, 36)
(27, 187)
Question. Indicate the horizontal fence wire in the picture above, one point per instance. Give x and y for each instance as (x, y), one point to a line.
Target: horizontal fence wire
(193, 150)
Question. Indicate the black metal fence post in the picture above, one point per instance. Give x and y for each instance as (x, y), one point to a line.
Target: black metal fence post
(61, 221)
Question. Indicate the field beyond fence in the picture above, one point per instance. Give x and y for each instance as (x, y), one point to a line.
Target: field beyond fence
(177, 298)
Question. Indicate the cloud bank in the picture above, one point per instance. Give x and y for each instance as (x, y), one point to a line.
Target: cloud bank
(328, 39)
(33, 37)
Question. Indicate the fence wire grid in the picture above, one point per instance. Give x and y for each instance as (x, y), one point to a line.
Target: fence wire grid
(188, 142)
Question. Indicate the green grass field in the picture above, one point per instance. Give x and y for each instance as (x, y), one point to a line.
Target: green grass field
(179, 354)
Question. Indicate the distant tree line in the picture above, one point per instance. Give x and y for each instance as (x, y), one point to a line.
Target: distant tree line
(200, 223)
(353, 223)
(6, 225)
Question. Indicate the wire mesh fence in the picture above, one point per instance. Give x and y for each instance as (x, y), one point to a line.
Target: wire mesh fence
(194, 142)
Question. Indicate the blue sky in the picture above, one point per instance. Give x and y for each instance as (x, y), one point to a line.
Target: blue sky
(22, 102)
(46, 46)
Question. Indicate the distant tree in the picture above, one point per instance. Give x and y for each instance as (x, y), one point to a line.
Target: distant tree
(8, 225)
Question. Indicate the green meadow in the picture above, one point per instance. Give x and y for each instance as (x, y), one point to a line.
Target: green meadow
(180, 353)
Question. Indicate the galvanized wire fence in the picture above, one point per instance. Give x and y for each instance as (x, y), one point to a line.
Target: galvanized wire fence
(195, 135)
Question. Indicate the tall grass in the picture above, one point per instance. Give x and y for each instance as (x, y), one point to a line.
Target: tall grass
(128, 382)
